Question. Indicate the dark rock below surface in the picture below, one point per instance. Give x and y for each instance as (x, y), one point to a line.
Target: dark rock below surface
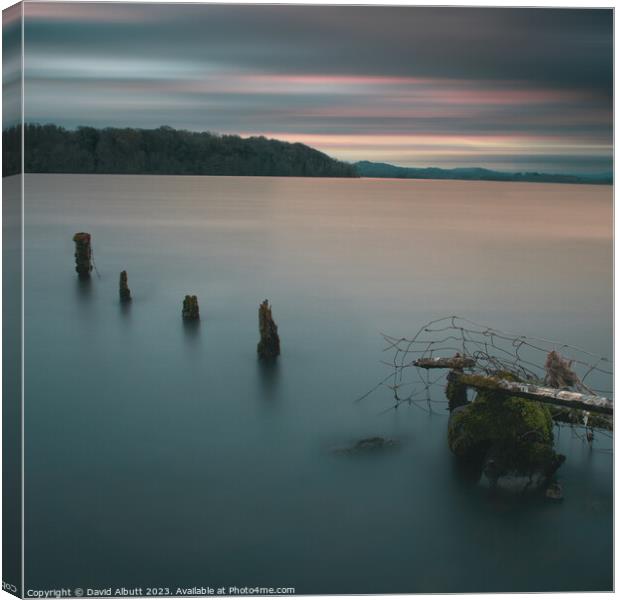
(369, 445)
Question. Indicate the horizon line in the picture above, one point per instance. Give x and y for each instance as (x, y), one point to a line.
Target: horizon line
(244, 135)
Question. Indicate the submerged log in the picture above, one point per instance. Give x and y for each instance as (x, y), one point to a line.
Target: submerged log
(573, 416)
(269, 345)
(123, 289)
(190, 308)
(455, 362)
(588, 402)
(83, 254)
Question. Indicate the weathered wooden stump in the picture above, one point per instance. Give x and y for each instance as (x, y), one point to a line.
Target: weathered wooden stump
(123, 289)
(190, 308)
(269, 345)
(83, 254)
(456, 393)
(508, 436)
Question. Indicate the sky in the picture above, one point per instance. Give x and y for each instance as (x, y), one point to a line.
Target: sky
(507, 89)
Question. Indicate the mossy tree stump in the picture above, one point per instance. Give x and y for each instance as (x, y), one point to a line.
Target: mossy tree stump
(123, 289)
(269, 345)
(190, 310)
(505, 437)
(83, 254)
(456, 393)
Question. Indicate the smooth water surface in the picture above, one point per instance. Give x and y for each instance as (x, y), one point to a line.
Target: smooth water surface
(164, 455)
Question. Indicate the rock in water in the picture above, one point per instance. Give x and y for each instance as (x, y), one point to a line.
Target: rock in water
(373, 443)
(269, 345)
(509, 439)
(83, 254)
(368, 445)
(554, 492)
(190, 308)
(123, 289)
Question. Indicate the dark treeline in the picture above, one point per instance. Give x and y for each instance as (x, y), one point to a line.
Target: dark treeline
(11, 151)
(162, 151)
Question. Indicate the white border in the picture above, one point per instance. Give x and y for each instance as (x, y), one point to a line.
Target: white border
(471, 3)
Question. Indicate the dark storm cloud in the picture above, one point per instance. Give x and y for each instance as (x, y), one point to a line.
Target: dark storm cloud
(357, 73)
(563, 47)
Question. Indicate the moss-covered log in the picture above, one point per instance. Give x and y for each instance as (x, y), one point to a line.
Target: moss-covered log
(508, 439)
(573, 416)
(528, 391)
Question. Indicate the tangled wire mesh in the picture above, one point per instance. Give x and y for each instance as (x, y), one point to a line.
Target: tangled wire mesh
(487, 351)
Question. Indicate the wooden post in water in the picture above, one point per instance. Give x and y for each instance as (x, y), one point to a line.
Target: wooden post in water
(123, 289)
(190, 308)
(269, 345)
(83, 254)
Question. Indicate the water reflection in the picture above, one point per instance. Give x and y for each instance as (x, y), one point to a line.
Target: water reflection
(191, 330)
(347, 260)
(125, 309)
(268, 377)
(466, 474)
(83, 289)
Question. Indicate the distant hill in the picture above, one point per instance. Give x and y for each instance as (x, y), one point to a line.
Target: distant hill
(162, 151)
(168, 151)
(372, 169)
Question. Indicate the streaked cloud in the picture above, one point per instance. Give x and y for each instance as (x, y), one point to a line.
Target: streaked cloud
(415, 86)
(80, 12)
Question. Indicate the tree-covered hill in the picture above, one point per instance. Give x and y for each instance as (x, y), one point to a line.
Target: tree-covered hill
(162, 151)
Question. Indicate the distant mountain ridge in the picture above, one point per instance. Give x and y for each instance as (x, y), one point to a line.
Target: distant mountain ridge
(366, 168)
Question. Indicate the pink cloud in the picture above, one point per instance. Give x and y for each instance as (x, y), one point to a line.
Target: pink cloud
(106, 12)
(427, 146)
(345, 80)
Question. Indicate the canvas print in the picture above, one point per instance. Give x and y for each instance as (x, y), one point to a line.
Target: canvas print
(306, 299)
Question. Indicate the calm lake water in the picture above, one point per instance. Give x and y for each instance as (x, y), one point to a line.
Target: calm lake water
(158, 455)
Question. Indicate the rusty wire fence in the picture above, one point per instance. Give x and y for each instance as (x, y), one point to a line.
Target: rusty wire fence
(493, 351)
